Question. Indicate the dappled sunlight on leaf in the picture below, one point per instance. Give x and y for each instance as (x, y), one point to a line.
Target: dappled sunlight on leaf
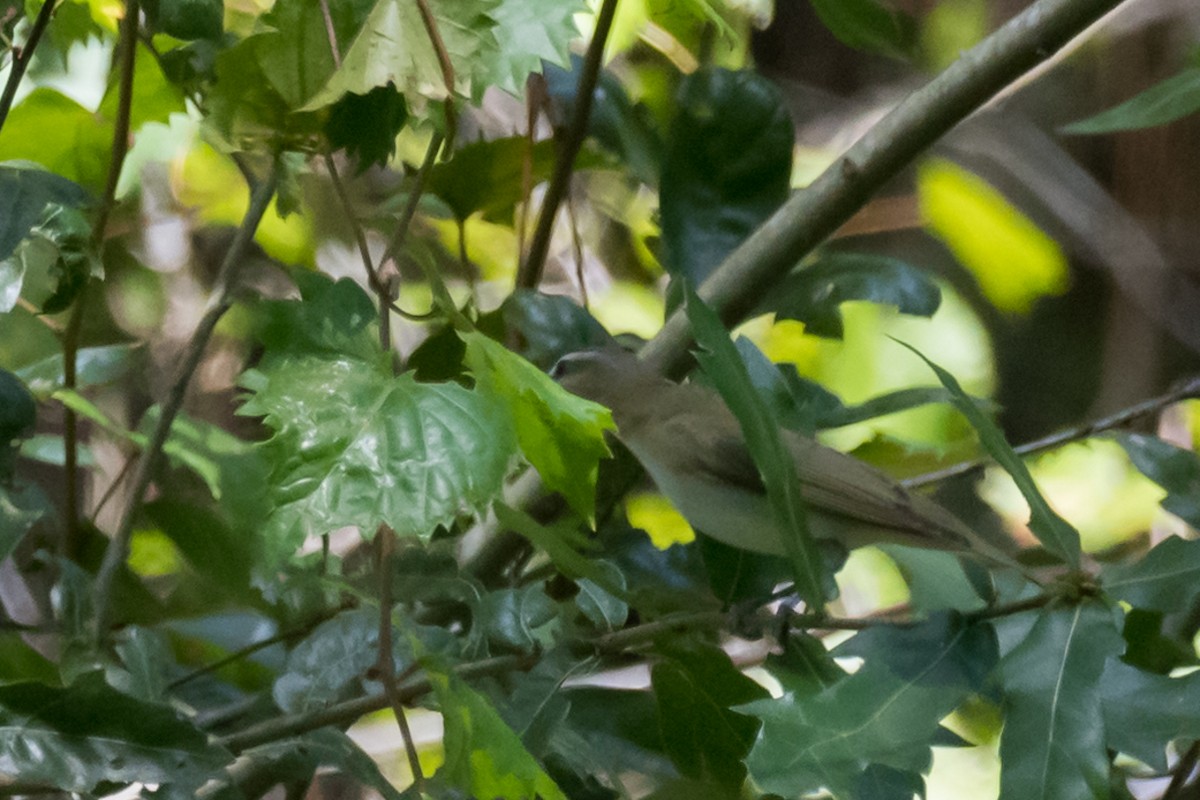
(654, 514)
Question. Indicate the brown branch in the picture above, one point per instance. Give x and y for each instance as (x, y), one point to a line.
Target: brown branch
(22, 56)
(400, 235)
(447, 66)
(118, 546)
(1181, 772)
(1184, 391)
(387, 665)
(530, 274)
(331, 33)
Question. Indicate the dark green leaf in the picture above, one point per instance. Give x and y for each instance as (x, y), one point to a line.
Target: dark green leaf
(299, 758)
(869, 25)
(18, 411)
(804, 668)
(727, 168)
(483, 755)
(521, 620)
(366, 125)
(813, 293)
(213, 547)
(333, 318)
(603, 602)
(727, 371)
(21, 506)
(78, 737)
(1052, 530)
(737, 575)
(1173, 468)
(1053, 743)
(331, 662)
(695, 688)
(1149, 648)
(94, 366)
(186, 19)
(1144, 712)
(826, 731)
(935, 579)
(1166, 579)
(880, 782)
(25, 190)
(1174, 98)
(551, 326)
(567, 549)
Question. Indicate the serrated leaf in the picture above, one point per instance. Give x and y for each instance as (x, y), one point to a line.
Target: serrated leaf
(812, 294)
(366, 125)
(1166, 579)
(1145, 712)
(727, 168)
(551, 326)
(1053, 745)
(827, 731)
(355, 446)
(530, 32)
(696, 687)
(1173, 468)
(869, 25)
(335, 318)
(1052, 530)
(1172, 99)
(25, 190)
(724, 366)
(560, 434)
(484, 757)
(76, 738)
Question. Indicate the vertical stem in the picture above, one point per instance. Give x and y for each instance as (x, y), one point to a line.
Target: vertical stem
(387, 665)
(22, 56)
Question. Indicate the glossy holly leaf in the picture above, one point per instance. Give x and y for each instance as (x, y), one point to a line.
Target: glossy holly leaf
(186, 19)
(560, 434)
(355, 446)
(726, 169)
(25, 191)
(94, 366)
(723, 365)
(1054, 532)
(77, 737)
(1053, 743)
(551, 326)
(1173, 468)
(1145, 712)
(484, 757)
(1172, 99)
(869, 25)
(813, 294)
(826, 731)
(1165, 579)
(366, 125)
(695, 688)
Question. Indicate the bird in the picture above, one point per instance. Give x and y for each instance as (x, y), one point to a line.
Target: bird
(692, 446)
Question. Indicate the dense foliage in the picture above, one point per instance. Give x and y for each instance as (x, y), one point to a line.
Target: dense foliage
(260, 482)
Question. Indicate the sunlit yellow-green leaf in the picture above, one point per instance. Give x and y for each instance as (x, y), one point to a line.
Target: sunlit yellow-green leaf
(1013, 260)
(153, 554)
(654, 514)
(950, 28)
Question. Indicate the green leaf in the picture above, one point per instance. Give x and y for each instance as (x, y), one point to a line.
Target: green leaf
(603, 602)
(21, 506)
(298, 758)
(530, 32)
(1173, 468)
(1144, 712)
(723, 365)
(354, 445)
(551, 326)
(94, 366)
(825, 731)
(186, 19)
(695, 688)
(727, 168)
(521, 620)
(566, 548)
(483, 756)
(58, 133)
(1166, 579)
(1172, 99)
(366, 125)
(869, 25)
(560, 434)
(155, 99)
(25, 191)
(812, 294)
(1052, 530)
(333, 318)
(81, 736)
(1053, 743)
(18, 411)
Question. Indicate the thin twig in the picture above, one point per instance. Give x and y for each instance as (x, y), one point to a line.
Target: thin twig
(1181, 772)
(360, 236)
(447, 67)
(387, 666)
(71, 335)
(222, 300)
(350, 710)
(22, 56)
(400, 235)
(530, 274)
(1186, 390)
(331, 33)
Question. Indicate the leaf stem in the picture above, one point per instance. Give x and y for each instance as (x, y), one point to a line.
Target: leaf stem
(222, 300)
(22, 56)
(384, 538)
(530, 274)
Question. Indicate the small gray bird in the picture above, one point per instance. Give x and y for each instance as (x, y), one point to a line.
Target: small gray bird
(692, 446)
